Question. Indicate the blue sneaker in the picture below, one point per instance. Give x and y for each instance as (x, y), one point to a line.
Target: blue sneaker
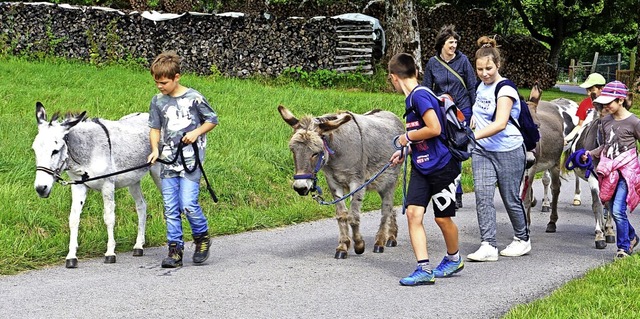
(419, 277)
(448, 267)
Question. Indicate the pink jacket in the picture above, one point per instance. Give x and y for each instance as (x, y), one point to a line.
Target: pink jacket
(609, 171)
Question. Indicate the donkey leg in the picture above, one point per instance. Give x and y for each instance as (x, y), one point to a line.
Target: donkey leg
(576, 197)
(342, 217)
(602, 214)
(109, 216)
(343, 239)
(78, 197)
(610, 234)
(546, 180)
(154, 170)
(527, 190)
(141, 209)
(354, 219)
(555, 194)
(388, 229)
(600, 241)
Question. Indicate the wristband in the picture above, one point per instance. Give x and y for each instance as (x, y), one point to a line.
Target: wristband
(406, 135)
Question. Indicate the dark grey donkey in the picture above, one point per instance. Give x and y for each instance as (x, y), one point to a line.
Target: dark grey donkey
(91, 148)
(588, 139)
(350, 149)
(548, 154)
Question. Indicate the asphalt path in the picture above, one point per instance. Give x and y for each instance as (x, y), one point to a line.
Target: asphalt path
(291, 273)
(571, 88)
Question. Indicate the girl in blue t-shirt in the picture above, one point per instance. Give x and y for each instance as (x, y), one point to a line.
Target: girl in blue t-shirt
(433, 174)
(498, 159)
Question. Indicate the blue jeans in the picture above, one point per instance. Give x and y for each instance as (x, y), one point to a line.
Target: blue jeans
(618, 209)
(180, 195)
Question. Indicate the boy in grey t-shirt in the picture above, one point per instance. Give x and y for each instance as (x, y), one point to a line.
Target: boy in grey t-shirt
(184, 116)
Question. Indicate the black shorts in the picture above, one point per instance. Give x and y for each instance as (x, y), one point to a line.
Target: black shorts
(438, 187)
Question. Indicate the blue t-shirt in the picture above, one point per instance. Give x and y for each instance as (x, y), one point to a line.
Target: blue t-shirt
(483, 110)
(428, 155)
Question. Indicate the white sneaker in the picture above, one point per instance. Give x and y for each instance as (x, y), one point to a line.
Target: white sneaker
(518, 247)
(486, 252)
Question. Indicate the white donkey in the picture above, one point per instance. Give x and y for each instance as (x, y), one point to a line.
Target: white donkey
(86, 149)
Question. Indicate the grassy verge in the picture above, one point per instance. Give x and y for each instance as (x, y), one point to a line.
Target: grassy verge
(606, 292)
(248, 158)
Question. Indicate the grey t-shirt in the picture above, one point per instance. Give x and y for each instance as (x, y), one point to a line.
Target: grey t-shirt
(175, 116)
(619, 136)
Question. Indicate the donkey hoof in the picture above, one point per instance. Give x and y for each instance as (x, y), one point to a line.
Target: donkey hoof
(110, 259)
(137, 252)
(601, 244)
(551, 228)
(359, 250)
(71, 263)
(378, 249)
(534, 202)
(341, 254)
(545, 209)
(610, 239)
(577, 202)
(391, 243)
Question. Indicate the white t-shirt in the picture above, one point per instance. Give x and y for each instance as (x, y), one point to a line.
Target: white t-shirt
(483, 110)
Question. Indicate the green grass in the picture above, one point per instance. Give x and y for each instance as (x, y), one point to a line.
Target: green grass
(610, 291)
(248, 160)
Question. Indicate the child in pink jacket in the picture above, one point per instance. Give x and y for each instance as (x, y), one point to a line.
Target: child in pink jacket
(618, 167)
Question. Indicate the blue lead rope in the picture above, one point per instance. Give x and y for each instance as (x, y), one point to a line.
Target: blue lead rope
(404, 151)
(574, 161)
(321, 201)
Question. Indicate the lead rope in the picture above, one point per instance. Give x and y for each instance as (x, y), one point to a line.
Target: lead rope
(404, 151)
(179, 153)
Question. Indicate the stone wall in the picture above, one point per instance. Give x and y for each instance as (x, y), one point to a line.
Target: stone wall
(235, 46)
(263, 42)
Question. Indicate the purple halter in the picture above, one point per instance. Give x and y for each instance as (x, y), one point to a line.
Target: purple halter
(319, 165)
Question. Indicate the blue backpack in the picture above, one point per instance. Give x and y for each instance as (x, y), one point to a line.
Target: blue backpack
(527, 127)
(459, 138)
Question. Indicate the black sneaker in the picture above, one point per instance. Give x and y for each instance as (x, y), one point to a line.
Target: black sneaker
(174, 259)
(202, 248)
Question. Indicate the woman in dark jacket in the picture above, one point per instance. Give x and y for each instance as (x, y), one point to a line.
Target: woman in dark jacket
(450, 72)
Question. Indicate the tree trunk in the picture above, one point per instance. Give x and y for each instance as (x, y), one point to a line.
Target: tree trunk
(554, 51)
(402, 31)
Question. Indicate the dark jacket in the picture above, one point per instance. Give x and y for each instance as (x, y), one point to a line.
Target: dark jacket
(440, 80)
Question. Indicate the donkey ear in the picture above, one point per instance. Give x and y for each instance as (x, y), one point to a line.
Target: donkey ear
(536, 93)
(333, 124)
(41, 113)
(71, 122)
(287, 116)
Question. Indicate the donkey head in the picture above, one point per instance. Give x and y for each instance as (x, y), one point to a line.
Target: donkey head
(50, 148)
(308, 145)
(535, 94)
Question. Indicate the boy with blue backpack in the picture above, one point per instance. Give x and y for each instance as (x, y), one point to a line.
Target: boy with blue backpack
(433, 173)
